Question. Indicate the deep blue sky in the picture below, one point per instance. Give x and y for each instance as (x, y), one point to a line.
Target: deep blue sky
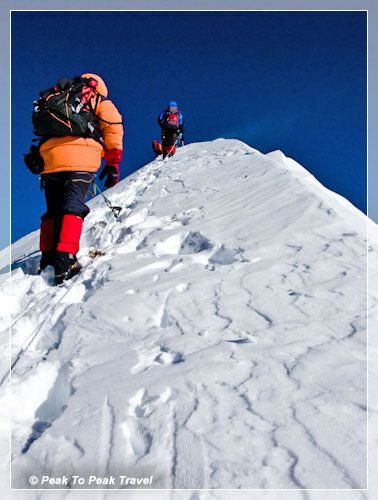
(294, 81)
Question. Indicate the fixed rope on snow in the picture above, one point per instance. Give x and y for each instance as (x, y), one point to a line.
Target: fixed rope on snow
(115, 210)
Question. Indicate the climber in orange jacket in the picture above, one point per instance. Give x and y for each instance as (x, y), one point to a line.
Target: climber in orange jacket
(70, 163)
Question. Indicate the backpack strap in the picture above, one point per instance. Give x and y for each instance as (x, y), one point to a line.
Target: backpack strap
(99, 98)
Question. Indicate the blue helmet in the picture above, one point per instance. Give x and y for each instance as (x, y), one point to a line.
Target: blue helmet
(172, 103)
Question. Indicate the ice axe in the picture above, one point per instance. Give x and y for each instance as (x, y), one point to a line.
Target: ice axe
(116, 210)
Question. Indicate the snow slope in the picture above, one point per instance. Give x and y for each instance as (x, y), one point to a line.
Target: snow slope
(219, 343)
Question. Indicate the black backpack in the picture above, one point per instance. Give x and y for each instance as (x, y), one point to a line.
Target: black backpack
(66, 109)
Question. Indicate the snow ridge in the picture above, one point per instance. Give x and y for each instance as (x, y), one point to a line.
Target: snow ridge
(219, 343)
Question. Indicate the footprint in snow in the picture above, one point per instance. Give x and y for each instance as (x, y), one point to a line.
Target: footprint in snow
(134, 428)
(138, 438)
(156, 356)
(167, 357)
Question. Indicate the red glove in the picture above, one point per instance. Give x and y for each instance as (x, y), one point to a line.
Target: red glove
(111, 169)
(113, 156)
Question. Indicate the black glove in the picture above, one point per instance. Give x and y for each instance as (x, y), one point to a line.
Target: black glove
(112, 172)
(34, 161)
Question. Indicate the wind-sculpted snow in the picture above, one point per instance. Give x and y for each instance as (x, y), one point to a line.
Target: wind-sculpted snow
(219, 343)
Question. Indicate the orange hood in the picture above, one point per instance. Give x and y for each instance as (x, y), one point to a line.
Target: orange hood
(101, 87)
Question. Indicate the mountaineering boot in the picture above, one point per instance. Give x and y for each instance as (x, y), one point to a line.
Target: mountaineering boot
(47, 259)
(66, 266)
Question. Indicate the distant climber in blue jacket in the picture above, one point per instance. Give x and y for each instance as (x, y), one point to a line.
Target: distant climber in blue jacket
(171, 122)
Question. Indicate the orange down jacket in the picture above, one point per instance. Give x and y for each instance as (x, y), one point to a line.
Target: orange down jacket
(80, 153)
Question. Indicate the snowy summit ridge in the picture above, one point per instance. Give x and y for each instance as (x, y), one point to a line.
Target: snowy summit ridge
(219, 343)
